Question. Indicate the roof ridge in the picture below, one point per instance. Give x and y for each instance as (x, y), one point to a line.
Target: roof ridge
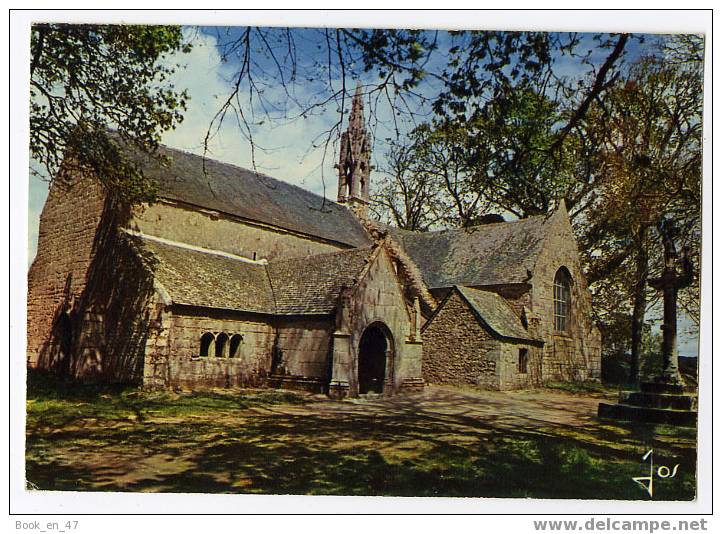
(193, 248)
(335, 253)
(253, 171)
(472, 228)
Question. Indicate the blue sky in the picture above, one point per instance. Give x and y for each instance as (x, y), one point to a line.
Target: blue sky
(288, 144)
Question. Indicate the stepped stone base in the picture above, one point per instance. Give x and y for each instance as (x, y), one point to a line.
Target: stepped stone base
(656, 403)
(661, 387)
(659, 400)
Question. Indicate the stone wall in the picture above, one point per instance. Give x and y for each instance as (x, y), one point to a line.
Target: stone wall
(119, 309)
(217, 231)
(380, 298)
(174, 353)
(87, 272)
(186, 368)
(510, 375)
(458, 350)
(576, 354)
(157, 355)
(58, 275)
(306, 346)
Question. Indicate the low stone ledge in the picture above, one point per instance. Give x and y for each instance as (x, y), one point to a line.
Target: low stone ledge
(297, 383)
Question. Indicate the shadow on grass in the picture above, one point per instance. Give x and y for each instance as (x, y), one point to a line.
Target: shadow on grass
(46, 385)
(412, 449)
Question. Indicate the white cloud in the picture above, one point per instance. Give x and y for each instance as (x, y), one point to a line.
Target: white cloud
(288, 153)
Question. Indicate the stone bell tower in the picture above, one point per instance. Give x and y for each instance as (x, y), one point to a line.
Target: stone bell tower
(354, 161)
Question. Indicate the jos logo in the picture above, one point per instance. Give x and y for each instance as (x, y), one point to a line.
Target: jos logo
(662, 472)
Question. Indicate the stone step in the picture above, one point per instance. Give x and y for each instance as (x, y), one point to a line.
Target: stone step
(661, 387)
(626, 412)
(658, 400)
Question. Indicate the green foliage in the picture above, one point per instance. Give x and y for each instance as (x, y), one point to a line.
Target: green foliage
(461, 172)
(509, 136)
(89, 80)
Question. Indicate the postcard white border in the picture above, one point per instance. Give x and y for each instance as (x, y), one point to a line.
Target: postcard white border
(128, 503)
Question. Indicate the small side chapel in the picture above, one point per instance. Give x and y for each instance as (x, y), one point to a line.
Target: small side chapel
(234, 278)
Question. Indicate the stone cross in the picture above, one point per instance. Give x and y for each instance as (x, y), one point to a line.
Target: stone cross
(677, 274)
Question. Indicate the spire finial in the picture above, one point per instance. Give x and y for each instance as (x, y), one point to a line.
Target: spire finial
(353, 167)
(356, 119)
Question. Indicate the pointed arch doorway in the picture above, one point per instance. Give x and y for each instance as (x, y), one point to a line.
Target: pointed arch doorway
(375, 359)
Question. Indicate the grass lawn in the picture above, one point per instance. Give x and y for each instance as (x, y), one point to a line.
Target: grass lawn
(444, 442)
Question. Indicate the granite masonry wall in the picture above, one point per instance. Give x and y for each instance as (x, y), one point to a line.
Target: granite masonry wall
(120, 311)
(174, 356)
(380, 298)
(458, 350)
(186, 368)
(573, 355)
(58, 275)
(91, 301)
(305, 347)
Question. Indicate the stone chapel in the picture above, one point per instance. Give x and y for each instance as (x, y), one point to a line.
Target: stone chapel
(234, 278)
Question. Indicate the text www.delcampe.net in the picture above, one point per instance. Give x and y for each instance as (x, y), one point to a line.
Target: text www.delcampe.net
(628, 525)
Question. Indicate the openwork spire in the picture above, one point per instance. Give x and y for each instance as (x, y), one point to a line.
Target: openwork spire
(354, 161)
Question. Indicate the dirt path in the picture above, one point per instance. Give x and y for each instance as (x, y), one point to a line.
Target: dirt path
(508, 409)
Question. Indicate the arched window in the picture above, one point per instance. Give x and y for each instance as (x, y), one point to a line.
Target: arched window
(206, 342)
(221, 342)
(235, 345)
(562, 300)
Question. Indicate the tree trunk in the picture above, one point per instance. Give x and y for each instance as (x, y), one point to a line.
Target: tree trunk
(640, 303)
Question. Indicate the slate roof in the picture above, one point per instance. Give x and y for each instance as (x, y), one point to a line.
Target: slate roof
(490, 254)
(250, 195)
(495, 312)
(304, 286)
(313, 284)
(209, 280)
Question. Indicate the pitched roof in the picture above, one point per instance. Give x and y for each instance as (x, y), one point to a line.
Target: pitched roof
(313, 284)
(196, 278)
(495, 312)
(303, 286)
(490, 254)
(251, 195)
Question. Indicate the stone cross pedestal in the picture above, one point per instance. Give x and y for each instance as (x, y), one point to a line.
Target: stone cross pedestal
(664, 400)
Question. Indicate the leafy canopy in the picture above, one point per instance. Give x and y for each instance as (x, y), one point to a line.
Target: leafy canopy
(95, 89)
